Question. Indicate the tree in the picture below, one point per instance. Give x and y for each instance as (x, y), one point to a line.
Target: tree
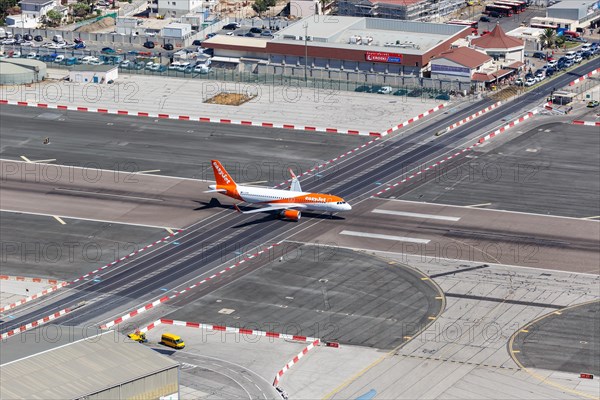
(548, 37)
(53, 18)
(80, 9)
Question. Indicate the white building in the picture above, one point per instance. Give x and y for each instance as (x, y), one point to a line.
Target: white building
(177, 8)
(570, 15)
(20, 21)
(36, 9)
(500, 46)
(128, 25)
(93, 73)
(176, 30)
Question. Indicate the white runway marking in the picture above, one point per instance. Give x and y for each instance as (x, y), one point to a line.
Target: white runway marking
(415, 215)
(385, 237)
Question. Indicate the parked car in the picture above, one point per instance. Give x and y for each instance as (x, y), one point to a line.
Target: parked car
(108, 50)
(126, 64)
(231, 27)
(550, 72)
(256, 30)
(552, 63)
(211, 35)
(587, 54)
(593, 104)
(9, 41)
(28, 37)
(385, 90)
(266, 33)
(80, 45)
(362, 89)
(249, 34)
(202, 69)
(59, 58)
(485, 18)
(38, 38)
(149, 45)
(575, 39)
(578, 59)
(569, 63)
(174, 65)
(519, 82)
(530, 81)
(539, 54)
(31, 56)
(197, 42)
(168, 46)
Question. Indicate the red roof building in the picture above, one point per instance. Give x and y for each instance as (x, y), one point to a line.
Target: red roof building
(498, 45)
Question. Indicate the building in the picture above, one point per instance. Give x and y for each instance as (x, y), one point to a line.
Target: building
(351, 44)
(20, 71)
(36, 9)
(529, 36)
(86, 73)
(20, 21)
(177, 8)
(500, 46)
(67, 362)
(570, 15)
(128, 25)
(424, 10)
(460, 64)
(305, 8)
(176, 30)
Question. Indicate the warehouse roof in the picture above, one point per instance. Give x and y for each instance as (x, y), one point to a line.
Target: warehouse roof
(64, 362)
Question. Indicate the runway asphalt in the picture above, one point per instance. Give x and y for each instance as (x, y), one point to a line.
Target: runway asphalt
(192, 257)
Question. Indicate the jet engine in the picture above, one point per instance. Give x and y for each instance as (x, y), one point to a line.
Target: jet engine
(293, 215)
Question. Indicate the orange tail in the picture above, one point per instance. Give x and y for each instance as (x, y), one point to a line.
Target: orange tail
(221, 175)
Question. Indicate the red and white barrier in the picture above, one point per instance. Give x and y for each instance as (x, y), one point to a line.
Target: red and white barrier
(35, 324)
(193, 118)
(588, 123)
(472, 117)
(28, 279)
(294, 361)
(178, 293)
(447, 158)
(584, 77)
(410, 121)
(229, 329)
(35, 296)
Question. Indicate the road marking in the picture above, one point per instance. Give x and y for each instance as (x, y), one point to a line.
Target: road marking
(44, 161)
(439, 298)
(83, 219)
(480, 205)
(415, 215)
(169, 230)
(596, 217)
(59, 219)
(107, 194)
(385, 237)
(148, 171)
(26, 159)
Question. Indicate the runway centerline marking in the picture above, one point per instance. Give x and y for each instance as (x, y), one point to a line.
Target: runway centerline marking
(59, 219)
(385, 237)
(149, 171)
(480, 205)
(415, 215)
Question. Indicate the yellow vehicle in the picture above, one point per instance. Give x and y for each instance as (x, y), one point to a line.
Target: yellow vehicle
(138, 337)
(174, 341)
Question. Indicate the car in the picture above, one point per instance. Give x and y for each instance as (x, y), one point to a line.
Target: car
(202, 69)
(519, 82)
(256, 30)
(570, 55)
(80, 45)
(182, 66)
(31, 56)
(188, 70)
(211, 35)
(168, 46)
(569, 63)
(593, 104)
(539, 54)
(28, 37)
(552, 63)
(485, 18)
(149, 45)
(231, 27)
(229, 33)
(362, 89)
(59, 58)
(38, 38)
(530, 81)
(578, 59)
(26, 44)
(249, 34)
(108, 50)
(587, 54)
(550, 72)
(197, 42)
(385, 90)
(174, 65)
(18, 37)
(126, 64)
(9, 41)
(95, 62)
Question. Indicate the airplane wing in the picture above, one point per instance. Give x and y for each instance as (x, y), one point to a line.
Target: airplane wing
(215, 191)
(272, 207)
(295, 186)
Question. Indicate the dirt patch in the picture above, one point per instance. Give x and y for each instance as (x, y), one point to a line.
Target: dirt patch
(230, 99)
(98, 25)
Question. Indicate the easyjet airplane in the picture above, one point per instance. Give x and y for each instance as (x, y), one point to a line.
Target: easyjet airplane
(286, 203)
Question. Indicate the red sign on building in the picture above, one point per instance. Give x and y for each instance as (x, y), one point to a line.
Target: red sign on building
(377, 56)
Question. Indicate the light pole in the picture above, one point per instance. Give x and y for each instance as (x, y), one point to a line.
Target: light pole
(305, 26)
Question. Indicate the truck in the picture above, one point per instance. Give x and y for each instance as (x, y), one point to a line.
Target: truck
(138, 337)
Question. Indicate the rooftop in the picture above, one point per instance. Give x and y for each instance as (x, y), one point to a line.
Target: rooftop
(377, 34)
(237, 41)
(497, 39)
(466, 56)
(75, 362)
(37, 1)
(93, 68)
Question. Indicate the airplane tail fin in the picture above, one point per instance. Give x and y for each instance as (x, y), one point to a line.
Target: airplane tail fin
(295, 186)
(221, 175)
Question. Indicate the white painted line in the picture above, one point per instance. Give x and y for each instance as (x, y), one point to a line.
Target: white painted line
(480, 205)
(82, 219)
(415, 215)
(107, 194)
(27, 160)
(385, 237)
(148, 171)
(44, 161)
(596, 217)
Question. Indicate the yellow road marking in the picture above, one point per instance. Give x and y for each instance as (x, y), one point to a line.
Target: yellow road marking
(557, 313)
(516, 351)
(439, 298)
(169, 230)
(425, 279)
(432, 317)
(59, 219)
(407, 337)
(26, 159)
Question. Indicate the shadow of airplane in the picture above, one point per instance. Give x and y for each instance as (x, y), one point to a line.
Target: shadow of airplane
(213, 203)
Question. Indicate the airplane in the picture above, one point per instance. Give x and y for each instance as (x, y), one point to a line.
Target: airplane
(287, 204)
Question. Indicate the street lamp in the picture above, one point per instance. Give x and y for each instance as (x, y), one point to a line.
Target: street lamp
(305, 26)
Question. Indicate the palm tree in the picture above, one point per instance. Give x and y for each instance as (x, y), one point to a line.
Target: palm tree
(548, 37)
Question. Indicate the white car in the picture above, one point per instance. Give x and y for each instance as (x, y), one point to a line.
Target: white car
(202, 69)
(570, 55)
(9, 41)
(125, 64)
(26, 44)
(530, 81)
(183, 66)
(578, 59)
(59, 58)
(174, 65)
(385, 90)
(95, 62)
(552, 63)
(31, 55)
(16, 54)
